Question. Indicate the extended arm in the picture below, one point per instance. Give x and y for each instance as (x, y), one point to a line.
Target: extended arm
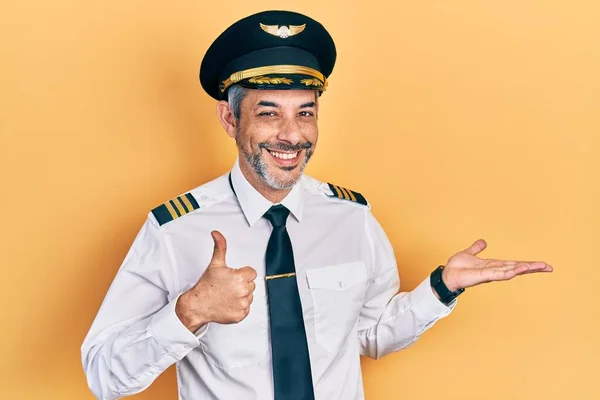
(390, 321)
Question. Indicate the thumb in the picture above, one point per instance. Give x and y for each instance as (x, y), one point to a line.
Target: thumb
(476, 247)
(218, 257)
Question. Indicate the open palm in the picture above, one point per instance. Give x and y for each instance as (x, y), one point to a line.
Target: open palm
(465, 269)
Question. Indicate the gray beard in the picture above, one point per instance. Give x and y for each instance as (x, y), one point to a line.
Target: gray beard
(257, 162)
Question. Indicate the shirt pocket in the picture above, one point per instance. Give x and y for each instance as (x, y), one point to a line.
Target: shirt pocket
(337, 292)
(243, 344)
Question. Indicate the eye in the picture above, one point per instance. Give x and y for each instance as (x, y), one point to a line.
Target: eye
(306, 114)
(267, 114)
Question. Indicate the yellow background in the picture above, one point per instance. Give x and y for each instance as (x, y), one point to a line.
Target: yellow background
(457, 120)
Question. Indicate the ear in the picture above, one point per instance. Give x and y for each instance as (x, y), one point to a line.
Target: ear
(226, 118)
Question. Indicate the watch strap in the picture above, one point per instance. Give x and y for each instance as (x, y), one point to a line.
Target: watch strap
(437, 283)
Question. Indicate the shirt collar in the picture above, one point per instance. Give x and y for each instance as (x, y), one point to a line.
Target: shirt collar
(255, 205)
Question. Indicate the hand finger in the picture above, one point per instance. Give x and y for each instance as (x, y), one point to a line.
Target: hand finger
(501, 275)
(533, 266)
(218, 257)
(494, 264)
(516, 266)
(248, 273)
(536, 264)
(251, 286)
(476, 247)
(510, 271)
(537, 271)
(250, 298)
(507, 264)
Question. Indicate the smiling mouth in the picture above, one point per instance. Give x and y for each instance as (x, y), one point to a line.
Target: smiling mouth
(284, 156)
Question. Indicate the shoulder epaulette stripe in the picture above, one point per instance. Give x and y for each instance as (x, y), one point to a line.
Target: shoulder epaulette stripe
(360, 199)
(192, 201)
(187, 204)
(347, 194)
(175, 208)
(171, 209)
(350, 195)
(336, 191)
(178, 209)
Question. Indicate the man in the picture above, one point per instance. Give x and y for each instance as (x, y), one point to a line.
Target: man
(266, 283)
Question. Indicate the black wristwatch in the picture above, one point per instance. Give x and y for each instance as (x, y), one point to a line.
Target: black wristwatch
(437, 283)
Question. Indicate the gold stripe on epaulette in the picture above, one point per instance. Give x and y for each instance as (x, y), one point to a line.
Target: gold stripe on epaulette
(171, 210)
(338, 192)
(352, 197)
(344, 194)
(347, 194)
(187, 203)
(179, 206)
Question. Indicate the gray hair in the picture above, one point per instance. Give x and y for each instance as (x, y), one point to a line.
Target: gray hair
(235, 96)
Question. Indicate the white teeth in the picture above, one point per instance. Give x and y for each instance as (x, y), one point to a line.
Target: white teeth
(284, 156)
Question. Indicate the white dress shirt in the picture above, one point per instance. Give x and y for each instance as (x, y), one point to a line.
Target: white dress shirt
(347, 280)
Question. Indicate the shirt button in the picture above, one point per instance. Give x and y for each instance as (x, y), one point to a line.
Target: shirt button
(203, 197)
(341, 284)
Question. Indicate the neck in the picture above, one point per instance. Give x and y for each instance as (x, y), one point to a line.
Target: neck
(273, 195)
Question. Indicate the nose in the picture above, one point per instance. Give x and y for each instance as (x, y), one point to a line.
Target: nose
(289, 131)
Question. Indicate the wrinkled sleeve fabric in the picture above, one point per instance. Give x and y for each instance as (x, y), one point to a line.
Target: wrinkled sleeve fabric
(136, 334)
(390, 321)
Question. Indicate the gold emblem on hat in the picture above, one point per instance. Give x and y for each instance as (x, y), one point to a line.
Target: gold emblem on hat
(264, 80)
(311, 82)
(283, 31)
(261, 72)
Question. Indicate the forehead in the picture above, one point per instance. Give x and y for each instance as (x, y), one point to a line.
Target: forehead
(280, 97)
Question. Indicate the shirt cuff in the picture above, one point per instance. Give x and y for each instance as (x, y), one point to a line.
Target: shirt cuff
(426, 305)
(168, 330)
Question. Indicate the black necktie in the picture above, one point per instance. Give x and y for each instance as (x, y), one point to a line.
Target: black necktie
(291, 363)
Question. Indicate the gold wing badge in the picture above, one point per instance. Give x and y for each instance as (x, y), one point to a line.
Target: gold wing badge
(283, 31)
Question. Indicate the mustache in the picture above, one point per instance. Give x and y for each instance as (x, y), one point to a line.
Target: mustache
(285, 147)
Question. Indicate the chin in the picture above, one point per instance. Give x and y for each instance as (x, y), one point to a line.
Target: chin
(281, 179)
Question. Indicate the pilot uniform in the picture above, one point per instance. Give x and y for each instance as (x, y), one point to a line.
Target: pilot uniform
(343, 268)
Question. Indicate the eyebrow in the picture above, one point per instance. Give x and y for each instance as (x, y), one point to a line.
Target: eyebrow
(265, 103)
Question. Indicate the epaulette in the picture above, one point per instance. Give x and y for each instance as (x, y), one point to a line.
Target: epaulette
(347, 194)
(175, 208)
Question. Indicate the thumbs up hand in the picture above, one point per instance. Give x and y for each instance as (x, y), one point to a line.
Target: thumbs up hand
(222, 294)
